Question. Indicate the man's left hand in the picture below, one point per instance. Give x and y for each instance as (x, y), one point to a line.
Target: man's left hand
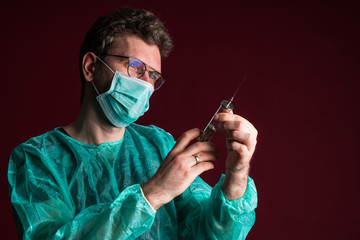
(241, 138)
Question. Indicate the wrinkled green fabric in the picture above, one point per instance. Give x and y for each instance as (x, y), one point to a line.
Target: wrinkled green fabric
(64, 189)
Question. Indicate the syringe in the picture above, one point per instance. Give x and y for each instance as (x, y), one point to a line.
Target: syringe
(226, 106)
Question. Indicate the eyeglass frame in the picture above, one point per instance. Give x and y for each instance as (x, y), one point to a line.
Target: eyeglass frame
(146, 68)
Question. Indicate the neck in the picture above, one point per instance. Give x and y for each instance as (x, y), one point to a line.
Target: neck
(92, 127)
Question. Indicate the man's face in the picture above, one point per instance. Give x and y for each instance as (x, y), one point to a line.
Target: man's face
(129, 46)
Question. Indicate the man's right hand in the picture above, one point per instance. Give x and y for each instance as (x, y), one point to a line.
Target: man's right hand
(179, 169)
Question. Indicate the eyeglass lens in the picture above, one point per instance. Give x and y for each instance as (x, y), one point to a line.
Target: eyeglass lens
(137, 69)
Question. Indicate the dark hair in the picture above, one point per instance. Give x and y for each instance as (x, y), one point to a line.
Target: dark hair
(124, 21)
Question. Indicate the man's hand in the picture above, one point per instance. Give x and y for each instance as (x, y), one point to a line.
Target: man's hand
(179, 169)
(241, 141)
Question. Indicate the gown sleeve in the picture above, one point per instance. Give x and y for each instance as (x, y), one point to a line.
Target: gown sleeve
(205, 213)
(46, 209)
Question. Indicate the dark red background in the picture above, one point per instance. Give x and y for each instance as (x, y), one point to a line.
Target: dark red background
(302, 61)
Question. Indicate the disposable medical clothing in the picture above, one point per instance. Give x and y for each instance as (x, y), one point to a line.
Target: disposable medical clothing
(61, 188)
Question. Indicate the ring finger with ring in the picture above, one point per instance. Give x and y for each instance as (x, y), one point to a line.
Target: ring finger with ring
(197, 159)
(203, 157)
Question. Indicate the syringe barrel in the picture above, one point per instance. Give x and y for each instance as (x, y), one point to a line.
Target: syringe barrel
(206, 135)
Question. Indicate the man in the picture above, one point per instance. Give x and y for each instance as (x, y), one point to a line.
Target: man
(104, 177)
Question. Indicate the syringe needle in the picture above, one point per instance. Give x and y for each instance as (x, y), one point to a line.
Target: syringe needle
(232, 98)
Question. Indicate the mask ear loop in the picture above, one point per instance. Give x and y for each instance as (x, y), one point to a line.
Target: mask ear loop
(105, 66)
(95, 88)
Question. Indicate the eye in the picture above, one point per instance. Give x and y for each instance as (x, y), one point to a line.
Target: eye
(135, 63)
(158, 82)
(153, 75)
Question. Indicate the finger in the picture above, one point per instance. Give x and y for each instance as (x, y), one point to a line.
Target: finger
(226, 111)
(201, 147)
(227, 117)
(207, 156)
(202, 157)
(185, 139)
(246, 138)
(235, 126)
(238, 126)
(242, 149)
(239, 136)
(202, 167)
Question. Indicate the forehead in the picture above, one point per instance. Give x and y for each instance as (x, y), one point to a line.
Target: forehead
(135, 47)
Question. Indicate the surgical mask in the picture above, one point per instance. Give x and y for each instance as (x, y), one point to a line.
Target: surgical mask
(126, 100)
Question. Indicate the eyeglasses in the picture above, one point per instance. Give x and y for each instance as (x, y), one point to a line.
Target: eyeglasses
(137, 68)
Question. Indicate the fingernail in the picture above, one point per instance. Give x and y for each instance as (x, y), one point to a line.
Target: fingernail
(216, 117)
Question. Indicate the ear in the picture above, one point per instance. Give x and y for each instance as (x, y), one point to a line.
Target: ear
(88, 66)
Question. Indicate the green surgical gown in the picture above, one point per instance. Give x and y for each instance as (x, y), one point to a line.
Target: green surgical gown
(61, 188)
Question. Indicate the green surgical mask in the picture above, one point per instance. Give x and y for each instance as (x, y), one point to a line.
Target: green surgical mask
(126, 100)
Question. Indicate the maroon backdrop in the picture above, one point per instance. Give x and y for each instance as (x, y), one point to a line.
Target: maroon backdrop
(302, 62)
